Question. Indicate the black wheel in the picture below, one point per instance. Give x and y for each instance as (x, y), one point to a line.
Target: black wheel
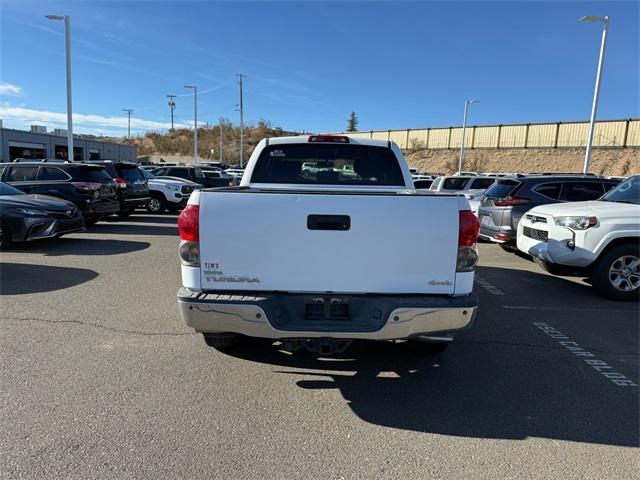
(617, 274)
(221, 341)
(5, 235)
(156, 204)
(90, 221)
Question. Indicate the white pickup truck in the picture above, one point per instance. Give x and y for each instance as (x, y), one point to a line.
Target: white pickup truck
(350, 252)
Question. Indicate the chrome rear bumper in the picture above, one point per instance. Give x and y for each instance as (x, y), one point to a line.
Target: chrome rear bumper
(244, 314)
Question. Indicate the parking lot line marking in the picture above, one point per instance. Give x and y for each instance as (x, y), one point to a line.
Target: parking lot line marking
(488, 286)
(566, 309)
(599, 366)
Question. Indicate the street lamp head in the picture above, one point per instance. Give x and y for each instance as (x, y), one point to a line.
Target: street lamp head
(593, 19)
(190, 86)
(54, 17)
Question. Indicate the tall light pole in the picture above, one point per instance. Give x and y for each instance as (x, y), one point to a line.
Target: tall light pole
(241, 77)
(220, 121)
(172, 106)
(195, 121)
(128, 112)
(464, 128)
(596, 93)
(67, 44)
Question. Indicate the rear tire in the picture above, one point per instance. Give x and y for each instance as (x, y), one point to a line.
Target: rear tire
(221, 341)
(616, 276)
(5, 235)
(156, 204)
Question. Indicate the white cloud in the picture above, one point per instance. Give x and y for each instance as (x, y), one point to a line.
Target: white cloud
(8, 89)
(29, 116)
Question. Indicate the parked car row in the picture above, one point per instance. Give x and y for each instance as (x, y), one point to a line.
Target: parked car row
(49, 198)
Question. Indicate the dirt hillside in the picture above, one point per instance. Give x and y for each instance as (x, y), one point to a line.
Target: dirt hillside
(618, 162)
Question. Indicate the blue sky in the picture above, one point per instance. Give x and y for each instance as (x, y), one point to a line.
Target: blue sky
(308, 64)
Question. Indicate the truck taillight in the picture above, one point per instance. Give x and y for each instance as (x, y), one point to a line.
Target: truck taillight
(467, 237)
(468, 230)
(189, 223)
(189, 229)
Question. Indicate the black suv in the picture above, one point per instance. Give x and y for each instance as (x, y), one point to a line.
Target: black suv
(133, 189)
(89, 187)
(207, 177)
(503, 205)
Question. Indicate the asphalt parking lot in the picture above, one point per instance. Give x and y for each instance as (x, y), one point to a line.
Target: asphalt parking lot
(100, 379)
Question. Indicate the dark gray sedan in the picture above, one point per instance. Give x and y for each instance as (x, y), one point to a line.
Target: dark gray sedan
(32, 217)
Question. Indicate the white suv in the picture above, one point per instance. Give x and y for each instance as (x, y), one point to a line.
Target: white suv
(597, 239)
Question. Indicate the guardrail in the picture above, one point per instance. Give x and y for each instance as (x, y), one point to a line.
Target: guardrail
(608, 133)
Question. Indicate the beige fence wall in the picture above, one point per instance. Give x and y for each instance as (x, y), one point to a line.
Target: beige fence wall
(608, 133)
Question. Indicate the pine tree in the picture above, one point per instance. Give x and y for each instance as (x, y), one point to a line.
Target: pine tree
(352, 124)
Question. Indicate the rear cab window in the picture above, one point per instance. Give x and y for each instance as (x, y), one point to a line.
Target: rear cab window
(454, 183)
(328, 164)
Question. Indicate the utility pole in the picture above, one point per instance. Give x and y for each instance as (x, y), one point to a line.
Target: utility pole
(172, 106)
(129, 112)
(241, 77)
(195, 121)
(220, 121)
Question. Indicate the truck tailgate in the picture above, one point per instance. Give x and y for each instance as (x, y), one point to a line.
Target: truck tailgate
(328, 242)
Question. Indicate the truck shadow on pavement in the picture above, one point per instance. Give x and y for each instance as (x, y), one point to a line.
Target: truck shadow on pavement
(25, 278)
(470, 391)
(170, 219)
(80, 246)
(133, 229)
(502, 379)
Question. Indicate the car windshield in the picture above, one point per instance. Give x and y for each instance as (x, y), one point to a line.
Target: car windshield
(324, 164)
(627, 192)
(9, 190)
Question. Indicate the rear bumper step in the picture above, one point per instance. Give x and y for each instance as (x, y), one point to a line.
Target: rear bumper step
(282, 315)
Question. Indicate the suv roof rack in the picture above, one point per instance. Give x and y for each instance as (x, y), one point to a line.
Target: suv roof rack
(569, 174)
(39, 160)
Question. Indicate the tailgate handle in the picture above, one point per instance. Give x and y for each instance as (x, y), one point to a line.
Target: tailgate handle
(328, 222)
